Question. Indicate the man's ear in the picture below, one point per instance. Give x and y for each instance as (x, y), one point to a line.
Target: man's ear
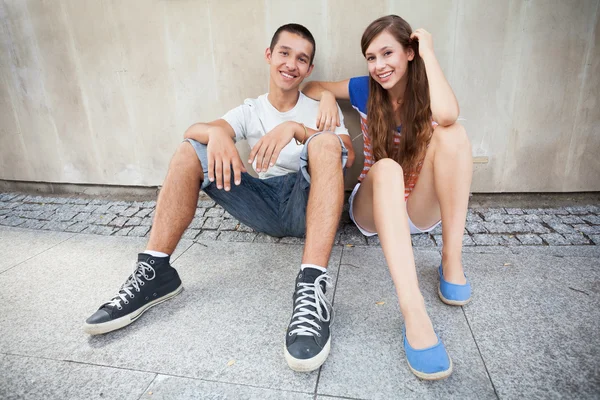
(268, 55)
(310, 70)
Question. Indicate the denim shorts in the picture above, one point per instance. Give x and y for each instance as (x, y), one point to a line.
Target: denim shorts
(275, 206)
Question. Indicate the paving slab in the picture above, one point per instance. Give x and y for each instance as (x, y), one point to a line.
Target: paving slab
(45, 300)
(35, 378)
(235, 309)
(536, 319)
(170, 387)
(19, 245)
(558, 251)
(367, 358)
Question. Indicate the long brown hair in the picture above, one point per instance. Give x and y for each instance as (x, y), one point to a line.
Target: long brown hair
(415, 112)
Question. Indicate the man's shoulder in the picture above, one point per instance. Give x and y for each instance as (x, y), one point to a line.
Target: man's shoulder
(255, 102)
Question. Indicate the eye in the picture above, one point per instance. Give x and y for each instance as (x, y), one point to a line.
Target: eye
(303, 60)
(283, 53)
(370, 58)
(387, 53)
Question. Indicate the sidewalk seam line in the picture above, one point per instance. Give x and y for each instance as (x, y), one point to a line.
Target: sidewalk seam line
(154, 372)
(332, 304)
(41, 252)
(183, 252)
(341, 397)
(480, 355)
(147, 387)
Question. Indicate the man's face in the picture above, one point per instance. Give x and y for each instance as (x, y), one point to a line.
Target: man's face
(289, 61)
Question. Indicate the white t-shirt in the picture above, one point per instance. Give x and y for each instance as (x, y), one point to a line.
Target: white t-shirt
(256, 117)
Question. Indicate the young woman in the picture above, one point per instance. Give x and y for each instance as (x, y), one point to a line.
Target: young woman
(417, 171)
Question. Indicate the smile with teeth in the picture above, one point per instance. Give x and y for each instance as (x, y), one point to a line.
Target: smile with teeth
(383, 76)
(286, 75)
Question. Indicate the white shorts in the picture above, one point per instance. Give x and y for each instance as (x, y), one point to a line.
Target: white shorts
(413, 229)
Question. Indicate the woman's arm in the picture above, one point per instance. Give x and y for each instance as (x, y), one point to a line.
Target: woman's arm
(444, 106)
(315, 90)
(326, 93)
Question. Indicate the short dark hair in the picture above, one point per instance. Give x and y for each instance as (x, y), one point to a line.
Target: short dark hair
(299, 30)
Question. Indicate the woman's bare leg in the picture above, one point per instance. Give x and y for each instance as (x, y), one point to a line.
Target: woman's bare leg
(379, 206)
(442, 192)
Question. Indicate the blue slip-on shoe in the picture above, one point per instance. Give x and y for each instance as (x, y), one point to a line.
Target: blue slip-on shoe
(431, 363)
(453, 294)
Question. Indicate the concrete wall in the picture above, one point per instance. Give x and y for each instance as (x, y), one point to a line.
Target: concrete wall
(101, 91)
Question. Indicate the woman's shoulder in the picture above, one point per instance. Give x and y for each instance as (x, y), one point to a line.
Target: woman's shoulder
(358, 87)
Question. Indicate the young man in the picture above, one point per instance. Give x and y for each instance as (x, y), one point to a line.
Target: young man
(290, 157)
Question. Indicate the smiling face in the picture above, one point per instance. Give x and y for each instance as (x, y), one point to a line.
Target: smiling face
(290, 61)
(387, 60)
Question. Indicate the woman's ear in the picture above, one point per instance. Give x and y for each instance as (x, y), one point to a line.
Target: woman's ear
(410, 53)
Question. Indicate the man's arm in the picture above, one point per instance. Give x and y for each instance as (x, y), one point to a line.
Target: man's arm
(201, 131)
(221, 151)
(267, 150)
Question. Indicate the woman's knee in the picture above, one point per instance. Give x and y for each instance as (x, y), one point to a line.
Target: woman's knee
(387, 171)
(452, 138)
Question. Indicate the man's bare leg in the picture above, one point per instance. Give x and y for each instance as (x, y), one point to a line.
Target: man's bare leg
(308, 337)
(325, 200)
(177, 200)
(154, 279)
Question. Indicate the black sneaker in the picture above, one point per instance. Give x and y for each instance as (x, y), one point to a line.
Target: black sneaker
(153, 281)
(308, 338)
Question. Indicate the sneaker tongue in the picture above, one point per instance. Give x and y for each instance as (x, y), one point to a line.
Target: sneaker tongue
(310, 274)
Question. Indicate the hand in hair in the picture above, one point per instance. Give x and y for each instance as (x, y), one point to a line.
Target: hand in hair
(328, 117)
(425, 41)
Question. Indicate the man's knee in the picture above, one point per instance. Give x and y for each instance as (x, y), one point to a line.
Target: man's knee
(186, 158)
(325, 144)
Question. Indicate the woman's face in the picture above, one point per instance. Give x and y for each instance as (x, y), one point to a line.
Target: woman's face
(387, 60)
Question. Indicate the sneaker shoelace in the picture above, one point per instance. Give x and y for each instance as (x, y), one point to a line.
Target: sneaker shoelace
(134, 282)
(311, 305)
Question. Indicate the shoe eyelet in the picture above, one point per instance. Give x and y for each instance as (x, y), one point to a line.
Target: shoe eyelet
(290, 333)
(132, 295)
(151, 261)
(318, 334)
(119, 308)
(147, 298)
(126, 302)
(142, 283)
(318, 327)
(137, 290)
(154, 294)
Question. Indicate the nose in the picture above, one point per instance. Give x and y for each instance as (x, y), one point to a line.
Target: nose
(290, 64)
(379, 63)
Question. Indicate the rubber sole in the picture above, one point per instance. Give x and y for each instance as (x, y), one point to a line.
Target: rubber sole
(452, 302)
(98, 329)
(432, 377)
(310, 364)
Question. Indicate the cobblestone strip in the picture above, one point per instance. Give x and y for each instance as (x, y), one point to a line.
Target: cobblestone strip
(484, 226)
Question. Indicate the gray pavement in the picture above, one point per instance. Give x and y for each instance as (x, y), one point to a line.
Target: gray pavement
(531, 330)
(489, 226)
